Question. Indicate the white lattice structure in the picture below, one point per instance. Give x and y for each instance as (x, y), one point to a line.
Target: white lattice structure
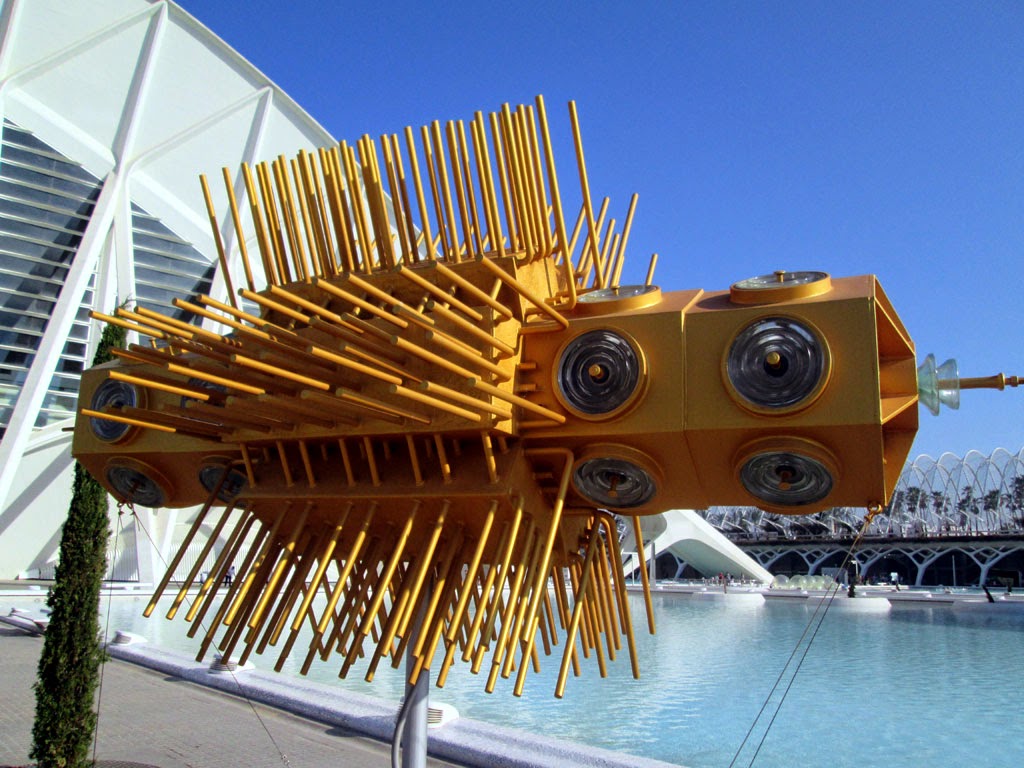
(952, 509)
(110, 111)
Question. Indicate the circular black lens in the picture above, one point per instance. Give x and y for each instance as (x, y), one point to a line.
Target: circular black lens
(776, 363)
(112, 394)
(599, 371)
(210, 477)
(612, 482)
(130, 484)
(786, 479)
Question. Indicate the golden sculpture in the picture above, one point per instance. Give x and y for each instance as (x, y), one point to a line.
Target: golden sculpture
(442, 392)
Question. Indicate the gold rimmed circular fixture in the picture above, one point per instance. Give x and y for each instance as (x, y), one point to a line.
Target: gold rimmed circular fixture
(780, 286)
(619, 298)
(616, 477)
(787, 475)
(137, 483)
(114, 394)
(600, 374)
(777, 365)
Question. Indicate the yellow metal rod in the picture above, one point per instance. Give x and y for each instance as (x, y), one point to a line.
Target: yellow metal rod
(519, 625)
(433, 616)
(650, 269)
(269, 546)
(351, 298)
(488, 594)
(556, 206)
(472, 569)
(478, 132)
(360, 615)
(323, 561)
(425, 354)
(481, 335)
(350, 561)
(171, 386)
(433, 402)
(353, 365)
(619, 580)
(467, 287)
(274, 370)
(125, 420)
(585, 190)
(262, 236)
(313, 213)
(333, 176)
(620, 255)
(179, 556)
(642, 556)
(286, 551)
(208, 593)
(438, 293)
(237, 584)
(506, 195)
(239, 233)
(474, 214)
(604, 603)
(444, 192)
(217, 241)
(357, 198)
(279, 170)
(299, 564)
(473, 402)
(535, 183)
(318, 206)
(275, 306)
(217, 318)
(574, 622)
(309, 615)
(389, 570)
(140, 329)
(514, 159)
(529, 543)
(522, 402)
(460, 186)
(275, 237)
(523, 291)
(492, 468)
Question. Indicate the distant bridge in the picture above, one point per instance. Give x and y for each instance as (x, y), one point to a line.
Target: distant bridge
(952, 521)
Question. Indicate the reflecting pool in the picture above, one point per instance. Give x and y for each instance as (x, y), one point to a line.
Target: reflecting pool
(913, 686)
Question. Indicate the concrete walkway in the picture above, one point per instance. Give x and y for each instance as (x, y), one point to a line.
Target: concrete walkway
(154, 719)
(164, 710)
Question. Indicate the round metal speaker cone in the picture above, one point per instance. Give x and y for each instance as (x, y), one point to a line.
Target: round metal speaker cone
(197, 383)
(210, 477)
(613, 482)
(776, 363)
(786, 479)
(132, 485)
(112, 394)
(599, 371)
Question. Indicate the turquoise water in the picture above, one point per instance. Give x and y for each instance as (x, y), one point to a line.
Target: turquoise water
(908, 687)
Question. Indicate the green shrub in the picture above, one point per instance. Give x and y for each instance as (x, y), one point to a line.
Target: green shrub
(69, 665)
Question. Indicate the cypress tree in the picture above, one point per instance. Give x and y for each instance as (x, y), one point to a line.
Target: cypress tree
(72, 653)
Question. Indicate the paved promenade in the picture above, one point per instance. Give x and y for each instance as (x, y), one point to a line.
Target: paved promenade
(162, 709)
(153, 719)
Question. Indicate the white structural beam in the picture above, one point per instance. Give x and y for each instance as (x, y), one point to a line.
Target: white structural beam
(690, 537)
(33, 391)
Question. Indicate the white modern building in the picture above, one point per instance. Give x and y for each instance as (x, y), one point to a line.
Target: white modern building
(111, 110)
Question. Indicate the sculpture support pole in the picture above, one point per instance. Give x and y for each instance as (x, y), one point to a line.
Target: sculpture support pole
(414, 736)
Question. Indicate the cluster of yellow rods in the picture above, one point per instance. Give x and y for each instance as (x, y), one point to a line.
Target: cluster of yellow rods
(363, 418)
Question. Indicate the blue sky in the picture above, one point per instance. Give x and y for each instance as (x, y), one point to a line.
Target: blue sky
(854, 138)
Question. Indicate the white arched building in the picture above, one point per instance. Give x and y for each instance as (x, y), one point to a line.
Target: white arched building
(111, 109)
